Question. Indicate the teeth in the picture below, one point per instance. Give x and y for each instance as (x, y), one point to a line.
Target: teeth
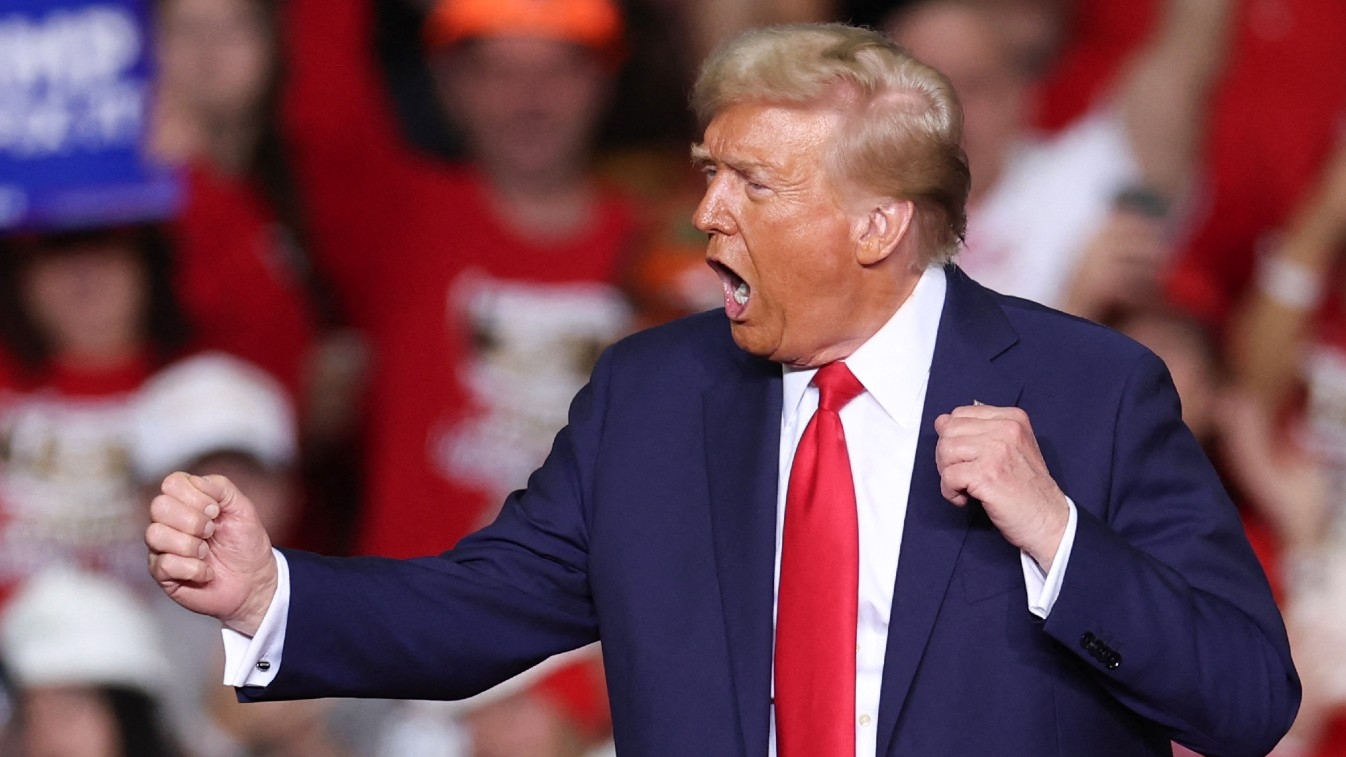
(741, 293)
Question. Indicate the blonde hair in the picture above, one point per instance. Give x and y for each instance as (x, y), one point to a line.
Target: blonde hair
(902, 127)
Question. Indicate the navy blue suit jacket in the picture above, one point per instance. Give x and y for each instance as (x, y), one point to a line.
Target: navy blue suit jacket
(651, 527)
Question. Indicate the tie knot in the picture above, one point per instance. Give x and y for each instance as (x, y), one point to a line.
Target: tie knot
(836, 386)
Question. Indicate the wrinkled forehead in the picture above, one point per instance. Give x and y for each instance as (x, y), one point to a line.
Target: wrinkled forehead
(771, 125)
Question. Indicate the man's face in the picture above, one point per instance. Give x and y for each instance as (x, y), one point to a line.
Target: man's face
(781, 238)
(528, 107)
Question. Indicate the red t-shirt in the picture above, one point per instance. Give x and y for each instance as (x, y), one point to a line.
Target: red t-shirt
(480, 336)
(68, 495)
(236, 279)
(480, 339)
(1100, 36)
(1275, 120)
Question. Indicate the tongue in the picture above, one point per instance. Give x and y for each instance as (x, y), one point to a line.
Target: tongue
(732, 308)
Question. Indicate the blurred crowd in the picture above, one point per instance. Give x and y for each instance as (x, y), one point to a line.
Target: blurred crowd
(396, 234)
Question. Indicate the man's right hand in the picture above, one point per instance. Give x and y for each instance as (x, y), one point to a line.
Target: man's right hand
(209, 551)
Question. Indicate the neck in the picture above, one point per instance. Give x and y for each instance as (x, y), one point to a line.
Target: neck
(869, 313)
(543, 208)
(97, 357)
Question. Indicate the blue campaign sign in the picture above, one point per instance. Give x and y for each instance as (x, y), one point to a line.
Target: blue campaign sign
(75, 85)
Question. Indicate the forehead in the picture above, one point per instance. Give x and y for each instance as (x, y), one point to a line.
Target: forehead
(769, 136)
(232, 12)
(516, 53)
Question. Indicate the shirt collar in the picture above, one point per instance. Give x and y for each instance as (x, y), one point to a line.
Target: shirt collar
(894, 363)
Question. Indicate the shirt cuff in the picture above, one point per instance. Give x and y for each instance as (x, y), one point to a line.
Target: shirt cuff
(1043, 588)
(255, 660)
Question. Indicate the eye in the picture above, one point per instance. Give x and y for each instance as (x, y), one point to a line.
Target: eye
(756, 187)
(708, 171)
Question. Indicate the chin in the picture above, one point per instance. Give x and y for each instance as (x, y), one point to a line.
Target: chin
(751, 342)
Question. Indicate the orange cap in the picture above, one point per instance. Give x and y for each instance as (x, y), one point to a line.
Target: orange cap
(592, 23)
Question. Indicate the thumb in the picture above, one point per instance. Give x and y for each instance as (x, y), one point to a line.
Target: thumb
(220, 489)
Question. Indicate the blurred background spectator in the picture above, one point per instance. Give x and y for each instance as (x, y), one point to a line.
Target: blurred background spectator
(484, 287)
(246, 267)
(216, 414)
(405, 229)
(213, 413)
(1075, 219)
(86, 316)
(1287, 431)
(89, 669)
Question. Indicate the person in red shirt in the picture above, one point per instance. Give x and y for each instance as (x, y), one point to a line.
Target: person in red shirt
(1273, 300)
(1276, 118)
(245, 268)
(86, 316)
(239, 236)
(485, 289)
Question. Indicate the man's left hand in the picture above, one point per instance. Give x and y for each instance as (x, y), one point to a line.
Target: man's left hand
(990, 454)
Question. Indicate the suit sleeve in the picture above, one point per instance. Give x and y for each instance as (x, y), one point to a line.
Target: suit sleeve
(450, 626)
(1163, 596)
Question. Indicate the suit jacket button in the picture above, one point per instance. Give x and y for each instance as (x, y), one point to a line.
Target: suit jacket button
(1088, 640)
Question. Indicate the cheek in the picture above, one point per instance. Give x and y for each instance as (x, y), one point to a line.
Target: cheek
(119, 297)
(482, 105)
(251, 65)
(236, 74)
(791, 291)
(47, 292)
(578, 95)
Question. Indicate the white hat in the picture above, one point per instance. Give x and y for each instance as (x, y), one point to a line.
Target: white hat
(206, 404)
(67, 626)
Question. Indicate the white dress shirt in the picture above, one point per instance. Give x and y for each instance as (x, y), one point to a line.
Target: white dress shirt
(882, 426)
(894, 366)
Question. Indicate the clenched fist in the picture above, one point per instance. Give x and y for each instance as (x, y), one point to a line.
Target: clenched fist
(990, 454)
(209, 551)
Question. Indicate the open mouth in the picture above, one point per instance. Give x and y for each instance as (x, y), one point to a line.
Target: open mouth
(736, 289)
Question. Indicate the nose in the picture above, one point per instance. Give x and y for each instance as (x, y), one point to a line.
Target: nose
(712, 215)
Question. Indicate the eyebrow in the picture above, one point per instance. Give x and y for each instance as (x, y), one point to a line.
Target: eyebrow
(701, 157)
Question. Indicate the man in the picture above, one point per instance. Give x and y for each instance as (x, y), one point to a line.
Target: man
(1078, 220)
(484, 289)
(991, 613)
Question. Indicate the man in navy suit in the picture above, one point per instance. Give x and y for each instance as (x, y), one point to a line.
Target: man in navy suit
(1047, 563)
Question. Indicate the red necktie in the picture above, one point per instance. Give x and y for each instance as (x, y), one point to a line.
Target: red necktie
(819, 585)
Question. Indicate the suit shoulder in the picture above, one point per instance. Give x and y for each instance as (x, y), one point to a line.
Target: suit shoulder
(699, 343)
(694, 335)
(1067, 353)
(1070, 335)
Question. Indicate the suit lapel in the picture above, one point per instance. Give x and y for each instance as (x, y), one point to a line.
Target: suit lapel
(742, 439)
(973, 330)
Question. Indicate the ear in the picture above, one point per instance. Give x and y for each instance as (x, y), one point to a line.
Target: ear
(885, 225)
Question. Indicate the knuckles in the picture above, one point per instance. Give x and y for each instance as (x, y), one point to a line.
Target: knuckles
(170, 568)
(162, 507)
(174, 514)
(163, 539)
